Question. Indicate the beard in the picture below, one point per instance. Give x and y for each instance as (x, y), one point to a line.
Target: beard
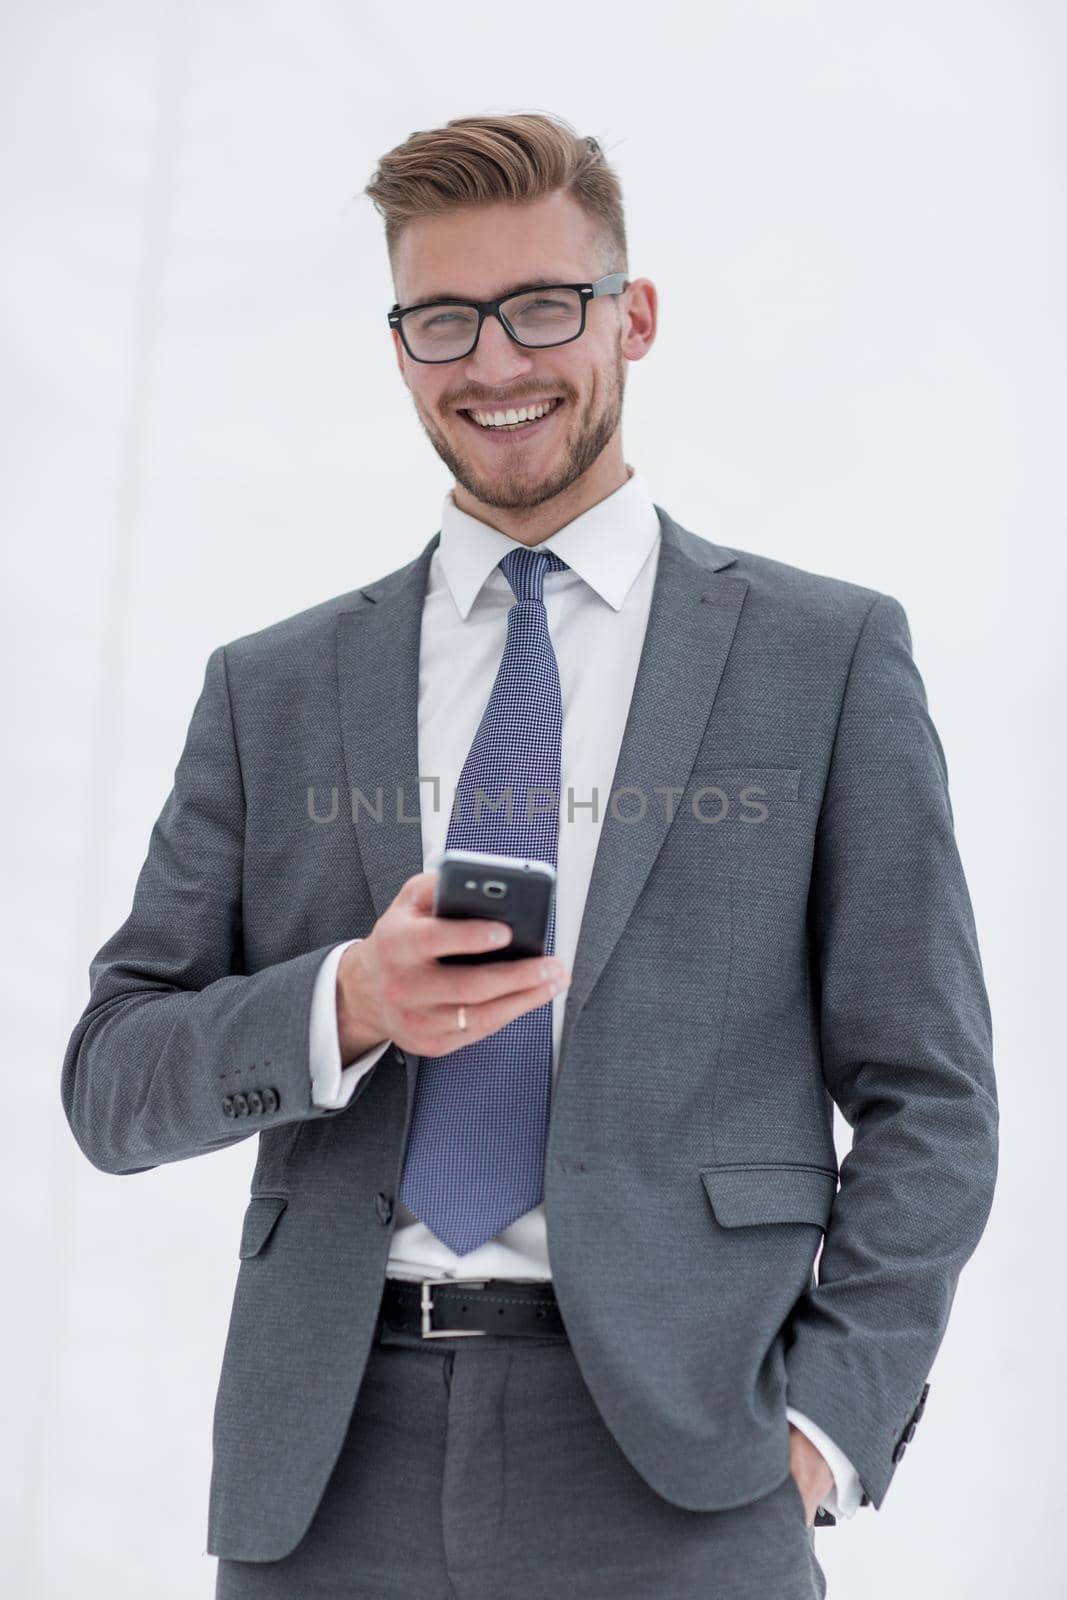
(516, 484)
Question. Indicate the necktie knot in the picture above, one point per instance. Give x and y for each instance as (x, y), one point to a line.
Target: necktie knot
(525, 571)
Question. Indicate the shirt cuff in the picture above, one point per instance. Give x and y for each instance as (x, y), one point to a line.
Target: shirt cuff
(332, 1085)
(843, 1499)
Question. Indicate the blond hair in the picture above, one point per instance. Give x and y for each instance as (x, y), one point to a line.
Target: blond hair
(477, 161)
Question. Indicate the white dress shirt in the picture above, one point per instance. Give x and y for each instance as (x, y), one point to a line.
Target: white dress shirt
(597, 615)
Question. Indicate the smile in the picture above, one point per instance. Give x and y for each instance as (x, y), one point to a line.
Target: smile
(512, 429)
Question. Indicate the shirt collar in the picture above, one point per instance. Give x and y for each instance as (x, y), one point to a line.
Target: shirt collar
(606, 546)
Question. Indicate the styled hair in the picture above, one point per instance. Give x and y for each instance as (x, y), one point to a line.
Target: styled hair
(478, 161)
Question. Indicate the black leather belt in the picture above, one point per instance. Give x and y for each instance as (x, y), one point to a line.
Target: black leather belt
(442, 1308)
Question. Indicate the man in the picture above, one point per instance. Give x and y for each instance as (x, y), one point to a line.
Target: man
(526, 1303)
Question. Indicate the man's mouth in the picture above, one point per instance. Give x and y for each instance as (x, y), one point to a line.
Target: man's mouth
(511, 423)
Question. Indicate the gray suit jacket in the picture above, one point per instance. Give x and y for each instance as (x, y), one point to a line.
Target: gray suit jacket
(734, 978)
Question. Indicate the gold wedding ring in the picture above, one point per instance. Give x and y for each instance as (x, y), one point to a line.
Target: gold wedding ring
(461, 1017)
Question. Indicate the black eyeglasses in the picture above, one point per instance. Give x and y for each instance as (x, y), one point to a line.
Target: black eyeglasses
(538, 317)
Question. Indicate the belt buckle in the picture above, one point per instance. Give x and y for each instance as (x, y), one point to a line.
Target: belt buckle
(426, 1306)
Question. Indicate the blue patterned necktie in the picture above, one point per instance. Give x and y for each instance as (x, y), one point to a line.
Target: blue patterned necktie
(475, 1157)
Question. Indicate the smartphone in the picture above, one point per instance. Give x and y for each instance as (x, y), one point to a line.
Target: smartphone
(511, 889)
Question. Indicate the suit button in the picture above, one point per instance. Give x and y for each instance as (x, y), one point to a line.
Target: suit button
(227, 1106)
(900, 1449)
(255, 1100)
(909, 1431)
(240, 1104)
(270, 1099)
(383, 1204)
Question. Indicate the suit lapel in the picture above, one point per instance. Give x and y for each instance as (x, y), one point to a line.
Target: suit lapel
(693, 615)
(691, 623)
(378, 683)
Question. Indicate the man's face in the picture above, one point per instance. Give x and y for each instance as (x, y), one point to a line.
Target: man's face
(475, 254)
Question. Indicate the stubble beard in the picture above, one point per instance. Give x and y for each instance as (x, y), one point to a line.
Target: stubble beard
(514, 486)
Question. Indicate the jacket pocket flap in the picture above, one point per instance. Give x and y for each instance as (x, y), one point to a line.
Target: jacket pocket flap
(262, 1213)
(743, 1195)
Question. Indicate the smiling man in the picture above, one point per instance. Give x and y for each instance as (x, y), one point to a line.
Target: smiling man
(528, 1302)
(525, 478)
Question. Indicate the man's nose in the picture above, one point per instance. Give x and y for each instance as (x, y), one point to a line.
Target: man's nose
(496, 360)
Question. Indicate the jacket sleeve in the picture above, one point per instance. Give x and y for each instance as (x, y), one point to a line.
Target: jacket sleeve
(907, 1057)
(179, 1051)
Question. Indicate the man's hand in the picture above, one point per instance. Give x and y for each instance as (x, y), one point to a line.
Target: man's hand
(391, 985)
(810, 1471)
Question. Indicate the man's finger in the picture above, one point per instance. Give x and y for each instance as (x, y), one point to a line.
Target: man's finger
(417, 893)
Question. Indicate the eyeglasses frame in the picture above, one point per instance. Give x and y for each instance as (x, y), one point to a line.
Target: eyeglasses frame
(614, 283)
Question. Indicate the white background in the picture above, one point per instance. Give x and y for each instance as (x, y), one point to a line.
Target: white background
(854, 217)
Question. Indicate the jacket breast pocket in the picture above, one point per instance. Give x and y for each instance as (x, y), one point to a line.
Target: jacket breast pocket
(261, 1217)
(743, 1195)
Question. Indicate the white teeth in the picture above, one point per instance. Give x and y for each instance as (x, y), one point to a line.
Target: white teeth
(503, 419)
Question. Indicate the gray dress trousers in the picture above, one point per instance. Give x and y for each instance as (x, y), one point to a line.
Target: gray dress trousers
(480, 1469)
